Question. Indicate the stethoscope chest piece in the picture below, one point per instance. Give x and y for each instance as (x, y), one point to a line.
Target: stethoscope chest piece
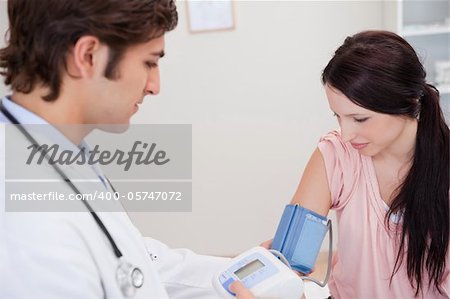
(129, 278)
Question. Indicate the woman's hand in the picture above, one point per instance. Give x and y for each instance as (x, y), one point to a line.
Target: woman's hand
(241, 291)
(267, 244)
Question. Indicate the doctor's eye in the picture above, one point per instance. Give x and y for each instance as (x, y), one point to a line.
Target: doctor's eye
(151, 64)
(335, 115)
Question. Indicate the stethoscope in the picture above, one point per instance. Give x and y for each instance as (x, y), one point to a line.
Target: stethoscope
(128, 276)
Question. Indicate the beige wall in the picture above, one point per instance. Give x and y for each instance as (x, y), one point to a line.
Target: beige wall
(257, 107)
(254, 98)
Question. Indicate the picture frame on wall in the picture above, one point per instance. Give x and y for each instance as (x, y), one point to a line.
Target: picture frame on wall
(206, 16)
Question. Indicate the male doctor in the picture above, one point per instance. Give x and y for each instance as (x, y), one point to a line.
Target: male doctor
(72, 62)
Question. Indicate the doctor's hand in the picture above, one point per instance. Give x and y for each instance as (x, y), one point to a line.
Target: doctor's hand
(241, 291)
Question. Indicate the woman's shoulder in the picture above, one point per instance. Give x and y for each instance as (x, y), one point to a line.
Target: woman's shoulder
(343, 166)
(331, 143)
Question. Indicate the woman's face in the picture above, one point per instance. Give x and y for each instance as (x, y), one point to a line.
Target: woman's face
(369, 132)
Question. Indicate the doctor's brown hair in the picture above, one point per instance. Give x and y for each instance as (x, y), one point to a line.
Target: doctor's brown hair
(380, 71)
(42, 32)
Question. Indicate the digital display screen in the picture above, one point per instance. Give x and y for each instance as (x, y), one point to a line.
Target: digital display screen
(249, 269)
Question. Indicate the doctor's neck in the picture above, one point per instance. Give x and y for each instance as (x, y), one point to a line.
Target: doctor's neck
(62, 111)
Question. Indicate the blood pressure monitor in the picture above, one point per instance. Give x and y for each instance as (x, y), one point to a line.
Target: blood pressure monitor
(297, 243)
(261, 272)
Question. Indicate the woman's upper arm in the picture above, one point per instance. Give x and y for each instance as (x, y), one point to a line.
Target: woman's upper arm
(313, 191)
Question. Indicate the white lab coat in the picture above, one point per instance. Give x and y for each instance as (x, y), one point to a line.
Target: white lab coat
(66, 255)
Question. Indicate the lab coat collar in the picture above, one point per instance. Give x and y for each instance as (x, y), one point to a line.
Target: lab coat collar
(45, 133)
(28, 118)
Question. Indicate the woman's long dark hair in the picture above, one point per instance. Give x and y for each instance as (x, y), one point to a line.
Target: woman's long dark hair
(380, 71)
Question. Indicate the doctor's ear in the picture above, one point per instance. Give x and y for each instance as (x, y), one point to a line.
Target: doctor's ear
(87, 58)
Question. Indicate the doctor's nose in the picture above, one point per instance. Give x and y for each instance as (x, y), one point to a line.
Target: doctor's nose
(152, 86)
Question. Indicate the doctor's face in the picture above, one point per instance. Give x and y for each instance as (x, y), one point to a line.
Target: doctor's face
(369, 132)
(115, 101)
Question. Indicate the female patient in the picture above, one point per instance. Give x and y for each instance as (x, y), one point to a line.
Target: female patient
(385, 173)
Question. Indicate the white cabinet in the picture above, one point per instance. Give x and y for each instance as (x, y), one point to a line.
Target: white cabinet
(425, 24)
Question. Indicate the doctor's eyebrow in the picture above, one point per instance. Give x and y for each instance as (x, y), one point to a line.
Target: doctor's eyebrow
(159, 54)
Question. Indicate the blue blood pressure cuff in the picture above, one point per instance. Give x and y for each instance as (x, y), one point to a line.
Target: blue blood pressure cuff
(299, 237)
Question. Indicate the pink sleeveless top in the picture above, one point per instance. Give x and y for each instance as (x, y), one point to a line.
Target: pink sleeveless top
(366, 250)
